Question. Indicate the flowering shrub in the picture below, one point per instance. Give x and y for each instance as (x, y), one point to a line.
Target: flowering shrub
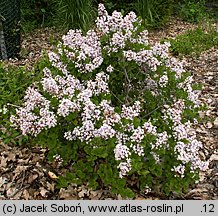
(121, 110)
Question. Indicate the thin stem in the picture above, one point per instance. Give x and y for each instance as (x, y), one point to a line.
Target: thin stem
(9, 104)
(152, 111)
(116, 97)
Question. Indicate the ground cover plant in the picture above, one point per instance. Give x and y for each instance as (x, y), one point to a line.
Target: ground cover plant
(194, 42)
(13, 82)
(122, 111)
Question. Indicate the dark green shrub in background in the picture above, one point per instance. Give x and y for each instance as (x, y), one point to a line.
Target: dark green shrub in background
(119, 5)
(192, 10)
(81, 13)
(212, 8)
(64, 13)
(37, 13)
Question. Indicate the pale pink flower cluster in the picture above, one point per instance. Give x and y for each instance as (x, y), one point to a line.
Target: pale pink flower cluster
(83, 49)
(179, 170)
(189, 153)
(27, 120)
(121, 27)
(149, 128)
(138, 135)
(138, 149)
(174, 112)
(186, 153)
(124, 167)
(175, 66)
(129, 112)
(193, 95)
(161, 50)
(66, 107)
(161, 141)
(121, 152)
(56, 62)
(100, 84)
(60, 86)
(163, 81)
(109, 68)
(136, 139)
(114, 23)
(143, 56)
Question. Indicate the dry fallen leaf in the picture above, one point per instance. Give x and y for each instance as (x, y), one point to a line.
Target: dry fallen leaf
(67, 194)
(11, 156)
(209, 125)
(82, 193)
(3, 162)
(26, 194)
(11, 191)
(43, 191)
(216, 121)
(32, 178)
(3, 181)
(19, 169)
(95, 195)
(52, 175)
(214, 157)
(201, 114)
(50, 187)
(201, 176)
(201, 129)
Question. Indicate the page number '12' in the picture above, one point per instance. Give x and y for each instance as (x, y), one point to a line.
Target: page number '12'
(208, 208)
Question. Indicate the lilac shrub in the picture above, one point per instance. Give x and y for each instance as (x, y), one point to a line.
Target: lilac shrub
(122, 111)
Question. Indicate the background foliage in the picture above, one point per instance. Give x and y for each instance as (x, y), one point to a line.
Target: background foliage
(81, 13)
(37, 13)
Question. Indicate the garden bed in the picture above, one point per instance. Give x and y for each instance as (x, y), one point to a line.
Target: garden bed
(25, 172)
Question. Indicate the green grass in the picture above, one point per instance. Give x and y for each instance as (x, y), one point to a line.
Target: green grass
(155, 13)
(194, 42)
(75, 14)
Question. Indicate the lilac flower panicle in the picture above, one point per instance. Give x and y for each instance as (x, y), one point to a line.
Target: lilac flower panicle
(124, 168)
(138, 135)
(121, 152)
(163, 81)
(131, 111)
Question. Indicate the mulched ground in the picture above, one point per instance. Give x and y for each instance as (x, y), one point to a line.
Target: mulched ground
(25, 173)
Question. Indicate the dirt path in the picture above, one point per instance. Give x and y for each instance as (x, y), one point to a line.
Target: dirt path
(25, 172)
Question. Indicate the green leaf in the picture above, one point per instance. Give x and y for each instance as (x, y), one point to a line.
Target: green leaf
(100, 152)
(128, 193)
(43, 10)
(136, 122)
